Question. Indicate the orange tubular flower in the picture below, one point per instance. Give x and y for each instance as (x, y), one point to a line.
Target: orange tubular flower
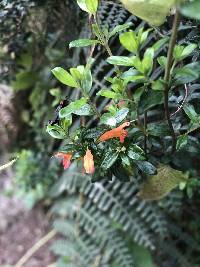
(118, 132)
(66, 159)
(88, 162)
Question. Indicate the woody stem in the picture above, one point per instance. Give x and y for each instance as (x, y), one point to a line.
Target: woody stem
(167, 77)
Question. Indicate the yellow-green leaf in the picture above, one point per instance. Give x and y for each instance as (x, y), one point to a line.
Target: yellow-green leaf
(159, 185)
(153, 11)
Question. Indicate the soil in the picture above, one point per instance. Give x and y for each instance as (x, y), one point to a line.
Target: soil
(20, 229)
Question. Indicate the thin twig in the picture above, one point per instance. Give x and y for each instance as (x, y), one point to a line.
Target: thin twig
(35, 248)
(167, 76)
(145, 132)
(184, 100)
(8, 164)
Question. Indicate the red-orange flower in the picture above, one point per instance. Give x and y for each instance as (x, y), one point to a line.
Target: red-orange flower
(88, 162)
(118, 132)
(66, 159)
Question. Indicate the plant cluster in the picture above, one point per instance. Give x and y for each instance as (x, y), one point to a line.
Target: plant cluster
(125, 141)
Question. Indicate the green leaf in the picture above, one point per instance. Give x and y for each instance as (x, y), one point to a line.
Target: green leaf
(85, 110)
(138, 64)
(152, 11)
(159, 129)
(120, 28)
(67, 148)
(158, 85)
(125, 160)
(159, 44)
(121, 61)
(24, 80)
(188, 50)
(187, 74)
(109, 94)
(83, 42)
(92, 6)
(64, 77)
(191, 113)
(56, 131)
(121, 114)
(181, 52)
(113, 119)
(181, 141)
(142, 35)
(158, 186)
(147, 61)
(120, 173)
(162, 61)
(108, 119)
(25, 60)
(82, 5)
(142, 256)
(72, 107)
(135, 152)
(129, 41)
(109, 159)
(191, 9)
(76, 74)
(96, 31)
(86, 83)
(150, 99)
(146, 167)
(178, 50)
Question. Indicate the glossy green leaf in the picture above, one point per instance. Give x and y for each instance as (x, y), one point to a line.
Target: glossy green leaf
(147, 62)
(159, 129)
(191, 113)
(146, 167)
(86, 83)
(115, 117)
(85, 110)
(121, 114)
(142, 35)
(135, 152)
(64, 77)
(120, 28)
(150, 99)
(162, 61)
(129, 41)
(108, 119)
(109, 159)
(92, 6)
(121, 61)
(83, 42)
(82, 5)
(109, 94)
(125, 160)
(72, 107)
(181, 52)
(181, 141)
(187, 74)
(56, 131)
(158, 85)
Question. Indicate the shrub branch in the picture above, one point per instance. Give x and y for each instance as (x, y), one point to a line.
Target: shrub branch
(168, 76)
